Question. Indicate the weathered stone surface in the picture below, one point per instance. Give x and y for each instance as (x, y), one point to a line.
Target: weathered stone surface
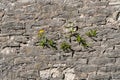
(2, 6)
(81, 61)
(26, 1)
(109, 68)
(7, 51)
(69, 76)
(22, 57)
(116, 76)
(49, 73)
(86, 68)
(100, 77)
(102, 61)
(112, 54)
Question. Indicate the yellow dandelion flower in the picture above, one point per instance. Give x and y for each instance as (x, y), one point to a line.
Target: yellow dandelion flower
(41, 31)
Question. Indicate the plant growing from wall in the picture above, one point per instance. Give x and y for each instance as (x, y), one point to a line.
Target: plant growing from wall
(65, 47)
(41, 33)
(81, 41)
(42, 38)
(44, 41)
(52, 44)
(73, 32)
(91, 33)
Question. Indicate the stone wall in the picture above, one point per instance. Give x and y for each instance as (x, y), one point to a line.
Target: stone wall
(21, 58)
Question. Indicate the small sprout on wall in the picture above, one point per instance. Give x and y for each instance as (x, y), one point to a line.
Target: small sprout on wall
(84, 44)
(92, 33)
(43, 42)
(81, 41)
(73, 32)
(42, 39)
(52, 44)
(65, 47)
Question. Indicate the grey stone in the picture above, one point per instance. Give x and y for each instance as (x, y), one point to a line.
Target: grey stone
(41, 22)
(1, 15)
(27, 17)
(112, 54)
(116, 15)
(26, 1)
(46, 74)
(99, 20)
(81, 61)
(109, 68)
(56, 22)
(2, 6)
(118, 61)
(101, 3)
(113, 36)
(116, 76)
(113, 3)
(102, 61)
(30, 50)
(86, 54)
(117, 47)
(113, 42)
(11, 27)
(21, 39)
(100, 77)
(86, 68)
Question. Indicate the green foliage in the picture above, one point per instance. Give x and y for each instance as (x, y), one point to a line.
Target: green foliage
(52, 44)
(43, 42)
(82, 41)
(72, 35)
(91, 33)
(65, 46)
(79, 39)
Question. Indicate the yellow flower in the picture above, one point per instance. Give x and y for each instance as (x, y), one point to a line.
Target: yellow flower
(41, 31)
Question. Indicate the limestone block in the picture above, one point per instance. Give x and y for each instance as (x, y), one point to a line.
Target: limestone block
(26, 1)
(44, 74)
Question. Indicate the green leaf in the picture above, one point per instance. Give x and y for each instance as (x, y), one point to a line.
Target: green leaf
(91, 33)
(43, 42)
(65, 46)
(81, 40)
(52, 44)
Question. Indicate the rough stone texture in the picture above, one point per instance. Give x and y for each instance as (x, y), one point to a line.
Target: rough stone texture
(22, 59)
